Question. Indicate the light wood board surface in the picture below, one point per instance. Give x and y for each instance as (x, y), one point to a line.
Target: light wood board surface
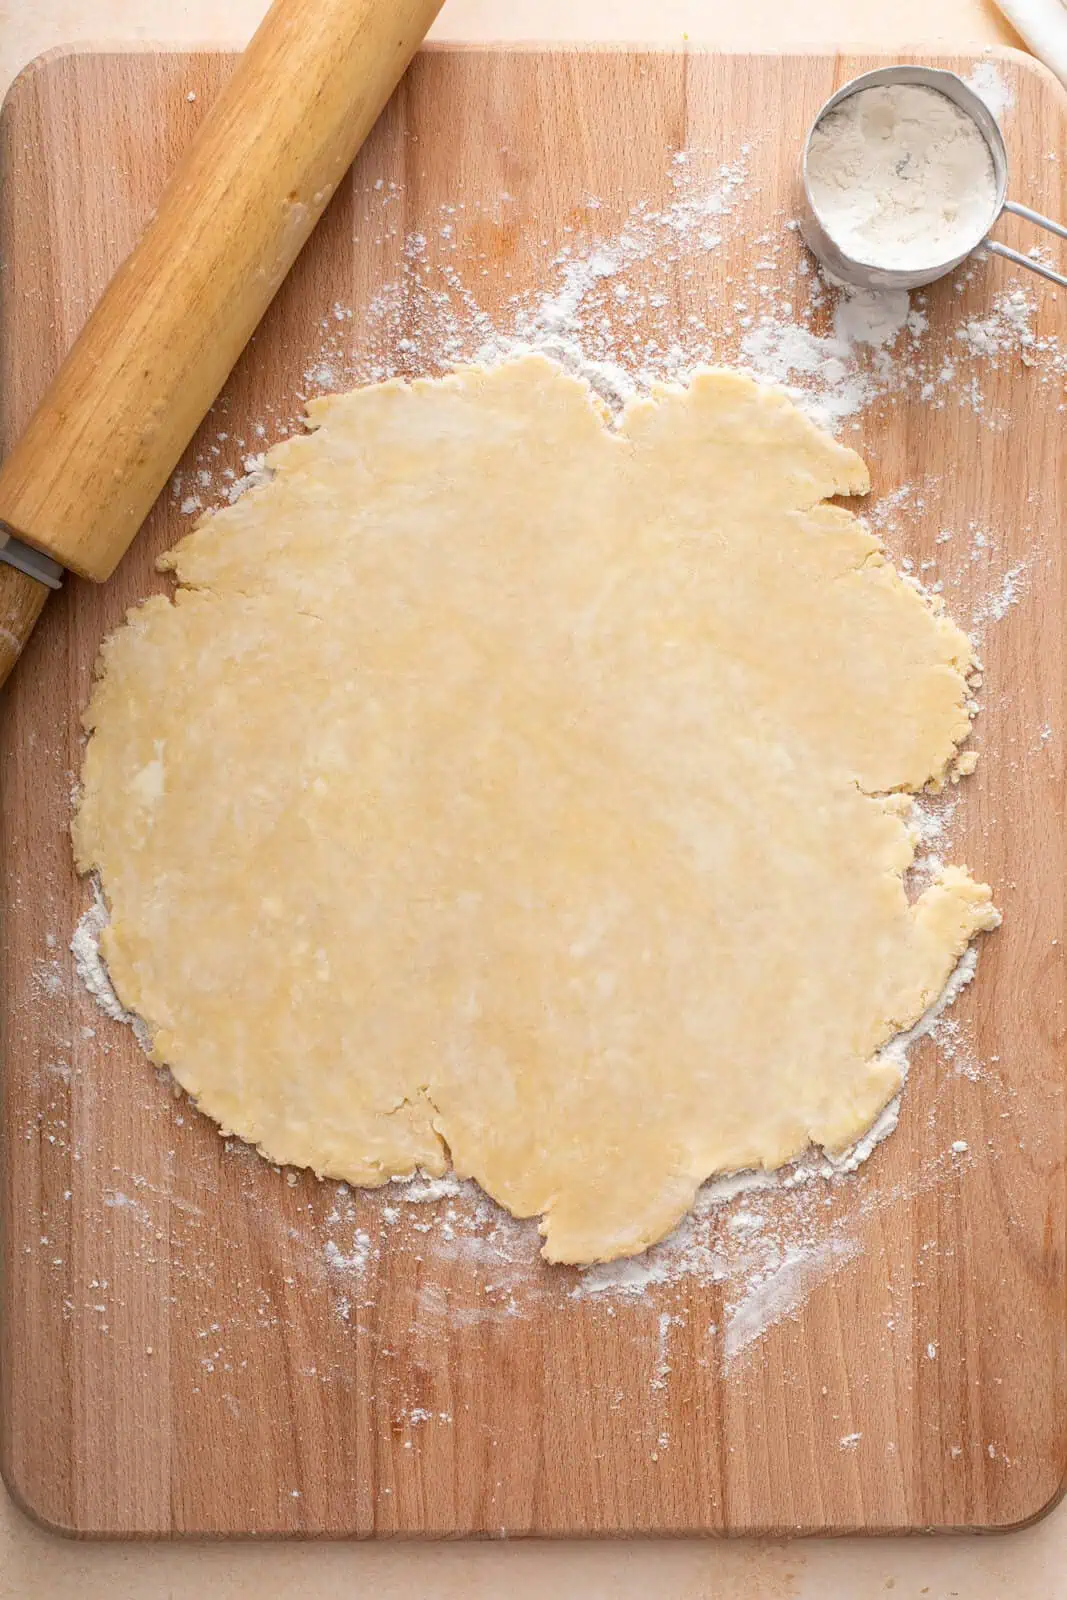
(181, 1354)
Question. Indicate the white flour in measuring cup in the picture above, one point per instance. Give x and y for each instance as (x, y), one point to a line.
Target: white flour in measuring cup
(901, 177)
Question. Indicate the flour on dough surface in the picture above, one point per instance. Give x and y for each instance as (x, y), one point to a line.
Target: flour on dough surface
(505, 787)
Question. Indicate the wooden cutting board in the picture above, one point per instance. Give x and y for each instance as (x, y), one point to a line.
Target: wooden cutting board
(197, 1343)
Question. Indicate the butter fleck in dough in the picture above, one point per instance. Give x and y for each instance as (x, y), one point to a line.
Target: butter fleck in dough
(504, 785)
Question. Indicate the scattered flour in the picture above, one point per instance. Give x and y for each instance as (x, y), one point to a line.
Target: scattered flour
(89, 963)
(357, 1258)
(769, 1296)
(91, 967)
(633, 1275)
(421, 1190)
(115, 1200)
(837, 382)
(988, 85)
(661, 1371)
(995, 606)
(835, 387)
(1008, 327)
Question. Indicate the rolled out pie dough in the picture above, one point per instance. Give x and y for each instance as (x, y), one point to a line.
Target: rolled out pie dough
(505, 785)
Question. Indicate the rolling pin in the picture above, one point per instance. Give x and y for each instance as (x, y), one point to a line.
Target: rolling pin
(170, 326)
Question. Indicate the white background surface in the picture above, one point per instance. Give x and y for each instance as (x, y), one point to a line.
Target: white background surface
(1031, 1565)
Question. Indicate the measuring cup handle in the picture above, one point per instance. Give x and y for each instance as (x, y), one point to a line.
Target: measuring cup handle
(1016, 255)
(1035, 216)
(1025, 261)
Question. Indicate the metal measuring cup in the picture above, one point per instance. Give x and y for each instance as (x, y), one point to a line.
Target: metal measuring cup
(868, 274)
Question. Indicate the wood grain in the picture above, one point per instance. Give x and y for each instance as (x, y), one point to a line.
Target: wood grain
(180, 1355)
(21, 602)
(229, 224)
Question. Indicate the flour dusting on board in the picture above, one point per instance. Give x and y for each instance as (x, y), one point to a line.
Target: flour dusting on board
(91, 967)
(990, 85)
(89, 962)
(627, 305)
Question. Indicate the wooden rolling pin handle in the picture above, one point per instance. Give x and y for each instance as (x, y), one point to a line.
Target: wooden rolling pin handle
(176, 316)
(21, 601)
